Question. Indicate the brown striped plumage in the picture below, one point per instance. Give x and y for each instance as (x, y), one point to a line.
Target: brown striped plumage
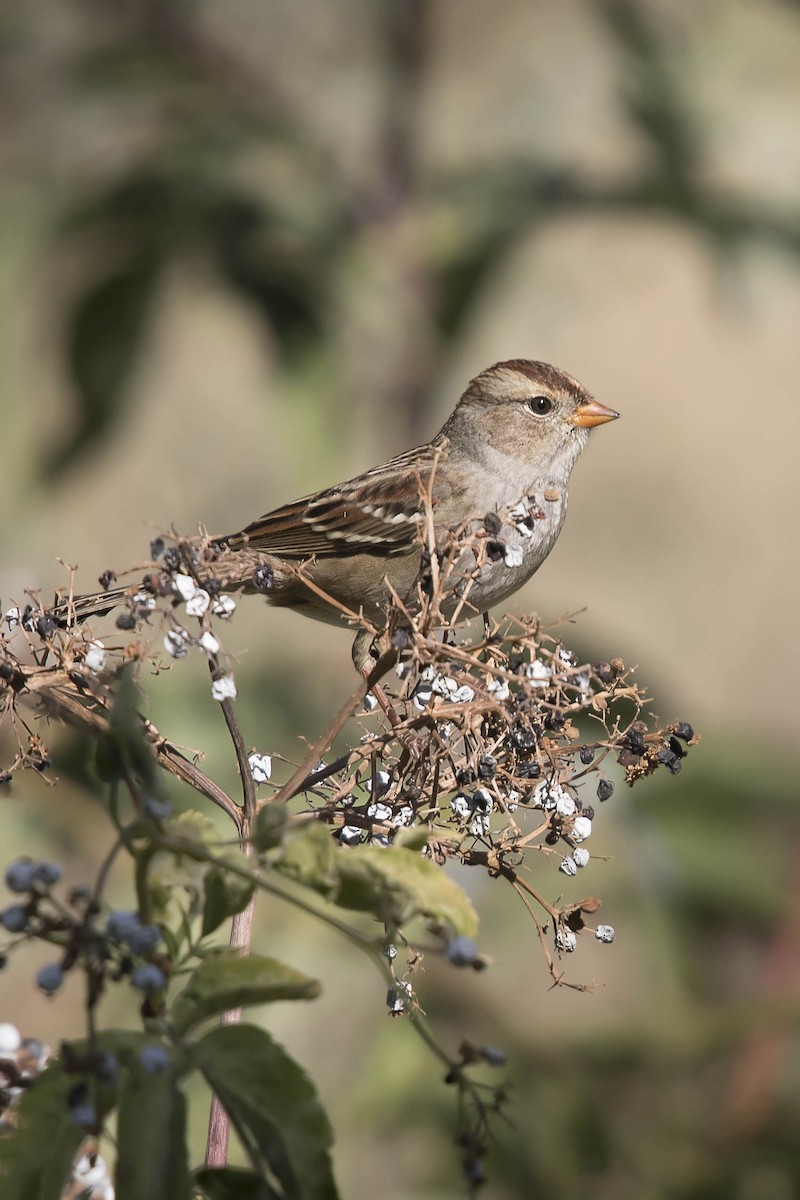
(515, 434)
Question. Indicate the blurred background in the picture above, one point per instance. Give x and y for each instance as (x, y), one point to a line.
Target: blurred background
(247, 250)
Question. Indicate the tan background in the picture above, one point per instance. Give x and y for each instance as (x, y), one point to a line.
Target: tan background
(680, 540)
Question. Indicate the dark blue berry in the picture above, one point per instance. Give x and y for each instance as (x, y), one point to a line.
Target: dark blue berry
(462, 951)
(14, 918)
(154, 1058)
(47, 873)
(263, 578)
(20, 876)
(121, 924)
(487, 767)
(50, 977)
(107, 1067)
(148, 978)
(605, 789)
(144, 939)
(157, 810)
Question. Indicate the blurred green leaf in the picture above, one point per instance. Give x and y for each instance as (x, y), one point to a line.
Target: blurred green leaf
(233, 1183)
(309, 857)
(282, 275)
(224, 895)
(152, 1161)
(125, 749)
(397, 885)
(35, 1160)
(273, 1108)
(269, 827)
(393, 883)
(104, 335)
(227, 981)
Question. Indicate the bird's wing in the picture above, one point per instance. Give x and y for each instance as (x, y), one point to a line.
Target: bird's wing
(379, 512)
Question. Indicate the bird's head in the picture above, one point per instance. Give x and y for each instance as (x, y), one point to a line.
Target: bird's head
(530, 410)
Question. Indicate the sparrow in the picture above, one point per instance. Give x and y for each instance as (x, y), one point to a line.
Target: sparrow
(499, 467)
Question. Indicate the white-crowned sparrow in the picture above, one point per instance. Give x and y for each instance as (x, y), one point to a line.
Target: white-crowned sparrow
(500, 466)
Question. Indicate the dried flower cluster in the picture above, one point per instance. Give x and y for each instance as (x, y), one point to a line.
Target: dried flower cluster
(484, 750)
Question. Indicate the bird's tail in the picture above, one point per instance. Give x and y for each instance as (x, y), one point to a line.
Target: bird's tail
(68, 611)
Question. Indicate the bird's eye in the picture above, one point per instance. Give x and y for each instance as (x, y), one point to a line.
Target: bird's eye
(540, 405)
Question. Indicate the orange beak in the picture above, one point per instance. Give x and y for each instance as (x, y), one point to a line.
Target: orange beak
(592, 413)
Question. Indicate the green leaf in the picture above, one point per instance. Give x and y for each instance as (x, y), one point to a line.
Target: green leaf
(127, 748)
(269, 827)
(394, 883)
(273, 1107)
(36, 1160)
(233, 1183)
(170, 870)
(227, 981)
(152, 1161)
(105, 332)
(397, 884)
(225, 894)
(414, 838)
(309, 857)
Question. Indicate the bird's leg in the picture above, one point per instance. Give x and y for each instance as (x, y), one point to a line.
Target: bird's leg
(386, 704)
(366, 660)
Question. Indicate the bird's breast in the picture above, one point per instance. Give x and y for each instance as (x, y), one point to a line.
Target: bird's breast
(518, 550)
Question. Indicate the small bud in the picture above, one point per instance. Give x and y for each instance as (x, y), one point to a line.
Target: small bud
(605, 933)
(95, 657)
(566, 941)
(10, 1039)
(176, 643)
(260, 767)
(581, 829)
(382, 783)
(184, 586)
(209, 643)
(223, 606)
(565, 805)
(197, 604)
(379, 812)
(605, 790)
(487, 767)
(568, 867)
(263, 577)
(224, 688)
